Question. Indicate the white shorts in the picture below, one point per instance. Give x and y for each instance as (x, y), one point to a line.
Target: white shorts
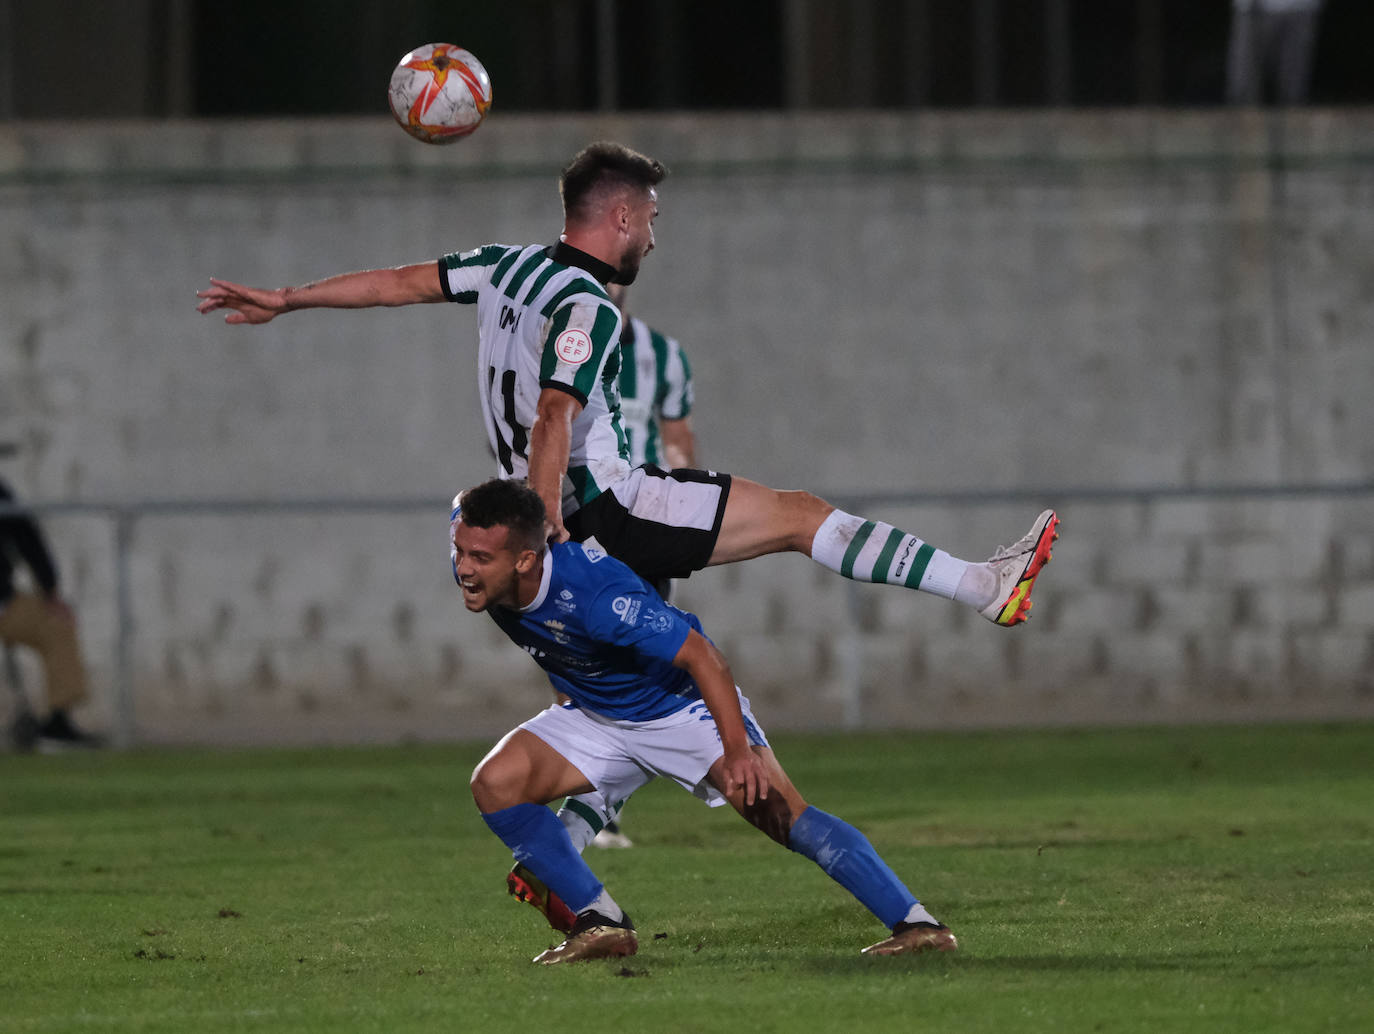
(618, 757)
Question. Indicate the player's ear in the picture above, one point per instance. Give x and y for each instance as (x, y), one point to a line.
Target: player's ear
(526, 561)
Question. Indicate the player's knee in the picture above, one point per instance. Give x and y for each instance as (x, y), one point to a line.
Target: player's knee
(497, 783)
(772, 815)
(805, 513)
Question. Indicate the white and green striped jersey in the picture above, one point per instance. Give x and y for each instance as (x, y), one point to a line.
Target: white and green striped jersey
(655, 384)
(545, 321)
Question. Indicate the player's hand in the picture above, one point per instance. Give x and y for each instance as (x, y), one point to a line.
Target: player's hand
(248, 304)
(742, 768)
(555, 532)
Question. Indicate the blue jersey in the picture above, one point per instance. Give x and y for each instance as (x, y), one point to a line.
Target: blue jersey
(604, 636)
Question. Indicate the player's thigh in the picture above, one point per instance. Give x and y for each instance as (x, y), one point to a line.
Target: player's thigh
(522, 768)
(759, 520)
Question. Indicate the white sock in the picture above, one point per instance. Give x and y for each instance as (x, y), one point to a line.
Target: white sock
(605, 904)
(977, 587)
(873, 551)
(918, 914)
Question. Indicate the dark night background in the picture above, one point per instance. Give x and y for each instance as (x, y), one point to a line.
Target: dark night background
(194, 58)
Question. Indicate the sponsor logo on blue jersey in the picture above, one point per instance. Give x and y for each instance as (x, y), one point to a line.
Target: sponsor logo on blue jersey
(627, 608)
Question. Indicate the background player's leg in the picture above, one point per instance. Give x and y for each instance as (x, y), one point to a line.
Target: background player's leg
(587, 815)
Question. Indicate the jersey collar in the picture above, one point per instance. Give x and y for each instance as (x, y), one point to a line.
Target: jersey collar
(544, 579)
(565, 253)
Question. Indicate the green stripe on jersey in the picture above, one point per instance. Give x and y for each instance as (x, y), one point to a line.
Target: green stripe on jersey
(503, 265)
(577, 287)
(629, 374)
(550, 269)
(548, 359)
(584, 488)
(599, 369)
(522, 274)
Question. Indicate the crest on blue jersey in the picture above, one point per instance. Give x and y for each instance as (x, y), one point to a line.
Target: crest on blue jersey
(627, 609)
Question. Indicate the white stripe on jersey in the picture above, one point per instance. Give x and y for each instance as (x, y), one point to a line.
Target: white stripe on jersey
(543, 323)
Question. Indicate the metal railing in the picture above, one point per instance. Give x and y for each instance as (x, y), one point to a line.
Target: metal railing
(125, 515)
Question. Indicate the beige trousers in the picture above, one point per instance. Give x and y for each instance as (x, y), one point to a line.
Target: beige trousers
(31, 621)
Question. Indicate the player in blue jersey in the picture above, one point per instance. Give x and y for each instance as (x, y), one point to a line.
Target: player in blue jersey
(649, 695)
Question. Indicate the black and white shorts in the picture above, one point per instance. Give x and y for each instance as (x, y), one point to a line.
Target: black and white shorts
(661, 523)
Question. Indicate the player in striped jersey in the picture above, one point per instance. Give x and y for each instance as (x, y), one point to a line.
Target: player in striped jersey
(549, 366)
(656, 392)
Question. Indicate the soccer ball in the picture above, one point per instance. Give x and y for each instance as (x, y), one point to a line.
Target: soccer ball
(439, 93)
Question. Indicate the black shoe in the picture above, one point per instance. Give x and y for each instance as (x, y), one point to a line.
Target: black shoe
(59, 733)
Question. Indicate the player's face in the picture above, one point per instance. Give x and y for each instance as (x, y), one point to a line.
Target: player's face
(640, 237)
(486, 566)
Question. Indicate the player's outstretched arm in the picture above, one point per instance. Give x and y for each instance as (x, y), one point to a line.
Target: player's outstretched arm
(402, 285)
(711, 672)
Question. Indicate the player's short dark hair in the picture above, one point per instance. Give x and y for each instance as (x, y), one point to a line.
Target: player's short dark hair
(506, 503)
(603, 168)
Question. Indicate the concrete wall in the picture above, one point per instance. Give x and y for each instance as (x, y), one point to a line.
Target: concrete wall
(982, 313)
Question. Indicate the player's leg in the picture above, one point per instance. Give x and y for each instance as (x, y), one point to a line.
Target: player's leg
(51, 632)
(593, 820)
(586, 817)
(845, 855)
(511, 787)
(759, 520)
(671, 523)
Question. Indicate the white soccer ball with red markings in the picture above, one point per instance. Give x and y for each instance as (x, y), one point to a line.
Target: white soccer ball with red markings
(439, 93)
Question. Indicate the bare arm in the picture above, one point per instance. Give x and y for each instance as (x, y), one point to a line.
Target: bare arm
(679, 442)
(550, 447)
(711, 672)
(402, 285)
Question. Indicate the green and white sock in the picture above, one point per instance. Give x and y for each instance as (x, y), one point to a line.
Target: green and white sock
(872, 551)
(585, 815)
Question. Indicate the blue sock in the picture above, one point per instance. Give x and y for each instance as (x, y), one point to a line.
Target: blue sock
(540, 843)
(845, 855)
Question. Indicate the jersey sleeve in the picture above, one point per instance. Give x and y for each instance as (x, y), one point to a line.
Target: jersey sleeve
(628, 615)
(21, 533)
(583, 333)
(676, 393)
(462, 273)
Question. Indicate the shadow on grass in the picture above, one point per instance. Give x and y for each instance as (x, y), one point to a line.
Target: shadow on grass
(966, 961)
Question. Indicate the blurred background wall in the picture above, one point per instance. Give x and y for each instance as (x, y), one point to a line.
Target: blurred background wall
(1144, 308)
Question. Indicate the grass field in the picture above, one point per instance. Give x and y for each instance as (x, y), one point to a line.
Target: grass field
(1215, 879)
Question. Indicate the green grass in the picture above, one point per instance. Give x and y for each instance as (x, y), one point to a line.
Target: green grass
(1154, 879)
